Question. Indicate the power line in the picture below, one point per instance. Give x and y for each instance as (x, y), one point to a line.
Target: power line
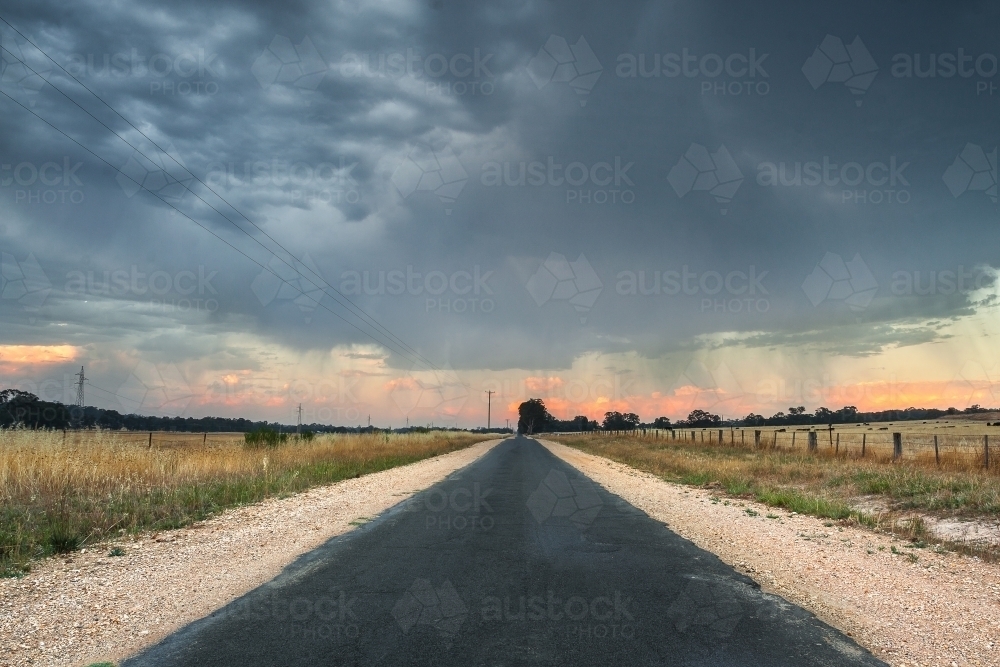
(353, 307)
(113, 393)
(262, 266)
(368, 320)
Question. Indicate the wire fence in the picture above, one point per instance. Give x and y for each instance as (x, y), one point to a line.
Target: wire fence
(967, 449)
(151, 438)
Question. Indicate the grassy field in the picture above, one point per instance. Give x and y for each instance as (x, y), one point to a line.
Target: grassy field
(60, 492)
(843, 485)
(960, 443)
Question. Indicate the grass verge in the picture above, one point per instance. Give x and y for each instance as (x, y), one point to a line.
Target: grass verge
(57, 497)
(821, 485)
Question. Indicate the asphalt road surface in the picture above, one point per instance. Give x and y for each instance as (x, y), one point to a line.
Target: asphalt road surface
(514, 560)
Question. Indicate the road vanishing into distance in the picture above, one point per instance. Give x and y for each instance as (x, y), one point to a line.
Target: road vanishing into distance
(516, 559)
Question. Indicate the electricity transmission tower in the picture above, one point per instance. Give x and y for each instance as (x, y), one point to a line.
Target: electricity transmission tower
(79, 387)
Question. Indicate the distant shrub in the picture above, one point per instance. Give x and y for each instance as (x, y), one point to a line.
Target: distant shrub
(264, 437)
(307, 436)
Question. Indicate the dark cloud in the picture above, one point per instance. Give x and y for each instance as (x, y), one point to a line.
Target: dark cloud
(483, 165)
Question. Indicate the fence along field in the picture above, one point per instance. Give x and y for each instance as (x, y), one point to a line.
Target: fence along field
(952, 444)
(60, 490)
(950, 498)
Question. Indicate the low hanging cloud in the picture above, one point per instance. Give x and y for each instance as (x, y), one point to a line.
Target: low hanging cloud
(567, 185)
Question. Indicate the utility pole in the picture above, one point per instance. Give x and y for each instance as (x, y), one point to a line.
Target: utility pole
(369, 421)
(79, 388)
(489, 400)
(298, 425)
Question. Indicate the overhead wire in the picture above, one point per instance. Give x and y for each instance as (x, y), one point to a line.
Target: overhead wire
(324, 285)
(318, 302)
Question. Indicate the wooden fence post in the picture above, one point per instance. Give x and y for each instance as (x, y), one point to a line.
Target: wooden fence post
(150, 440)
(204, 440)
(774, 442)
(897, 446)
(837, 451)
(937, 456)
(720, 436)
(756, 439)
(986, 451)
(864, 438)
(793, 441)
(813, 445)
(743, 440)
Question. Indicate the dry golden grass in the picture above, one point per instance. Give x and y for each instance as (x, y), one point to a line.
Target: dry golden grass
(59, 492)
(874, 490)
(960, 443)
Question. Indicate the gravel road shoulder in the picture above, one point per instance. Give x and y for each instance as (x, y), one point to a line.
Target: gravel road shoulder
(908, 606)
(90, 607)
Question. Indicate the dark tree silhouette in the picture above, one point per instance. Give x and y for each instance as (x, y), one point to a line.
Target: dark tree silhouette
(533, 417)
(703, 418)
(617, 421)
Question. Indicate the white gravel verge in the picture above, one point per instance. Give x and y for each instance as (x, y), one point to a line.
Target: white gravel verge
(941, 609)
(92, 608)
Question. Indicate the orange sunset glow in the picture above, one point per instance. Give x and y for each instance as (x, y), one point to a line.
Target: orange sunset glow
(13, 357)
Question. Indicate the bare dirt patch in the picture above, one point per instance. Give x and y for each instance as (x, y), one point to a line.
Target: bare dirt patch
(975, 532)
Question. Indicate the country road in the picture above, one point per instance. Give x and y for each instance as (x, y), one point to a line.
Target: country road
(513, 560)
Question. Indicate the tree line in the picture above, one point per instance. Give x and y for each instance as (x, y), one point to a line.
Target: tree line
(533, 417)
(23, 409)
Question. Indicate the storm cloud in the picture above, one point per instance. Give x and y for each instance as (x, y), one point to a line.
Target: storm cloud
(599, 192)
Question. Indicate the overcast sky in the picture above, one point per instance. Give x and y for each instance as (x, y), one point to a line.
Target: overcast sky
(643, 206)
